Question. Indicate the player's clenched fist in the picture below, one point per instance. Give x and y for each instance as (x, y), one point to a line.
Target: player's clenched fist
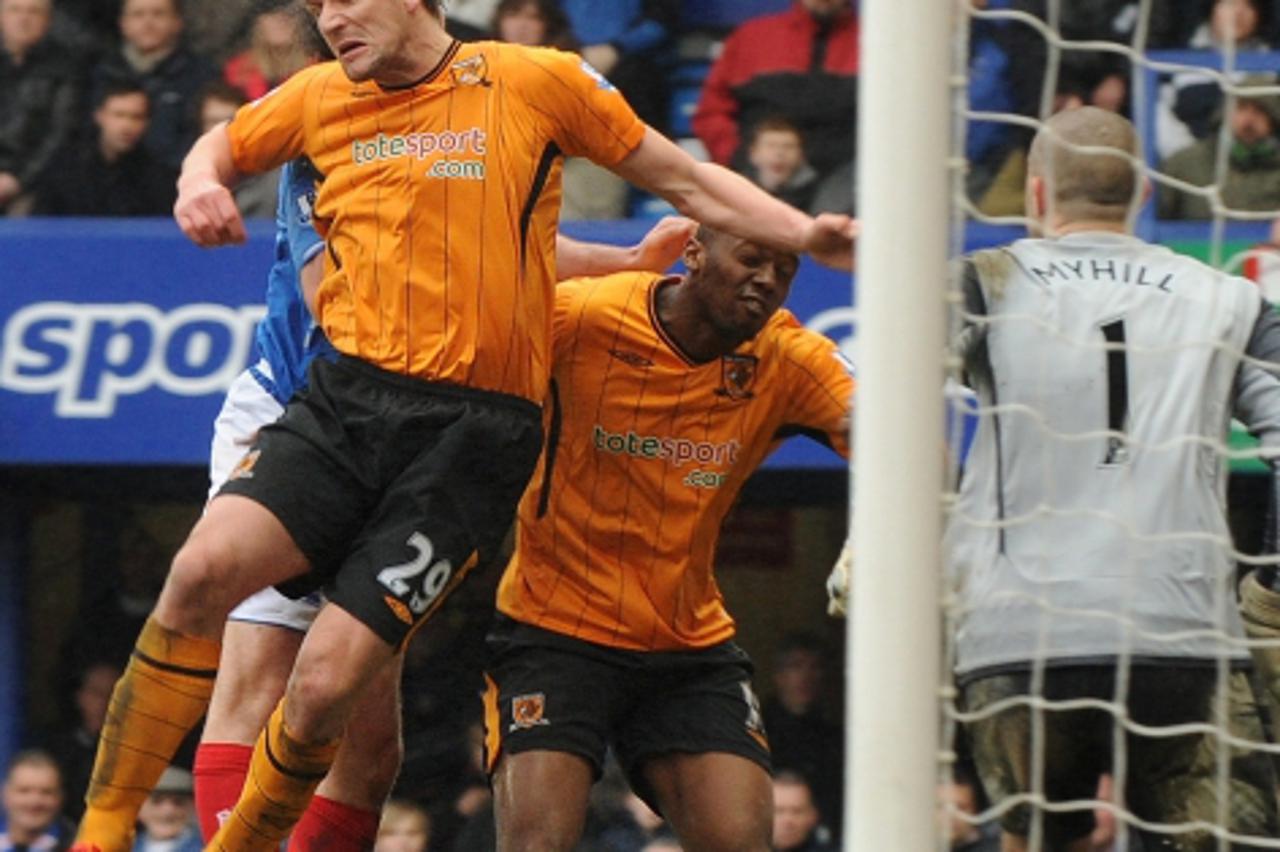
(207, 213)
(830, 238)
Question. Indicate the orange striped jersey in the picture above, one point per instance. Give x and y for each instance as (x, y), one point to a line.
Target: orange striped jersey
(439, 203)
(646, 452)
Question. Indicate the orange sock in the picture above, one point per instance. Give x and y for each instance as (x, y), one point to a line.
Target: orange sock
(160, 697)
(283, 776)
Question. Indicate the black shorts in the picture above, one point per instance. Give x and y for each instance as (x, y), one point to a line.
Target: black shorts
(550, 692)
(393, 488)
(1169, 779)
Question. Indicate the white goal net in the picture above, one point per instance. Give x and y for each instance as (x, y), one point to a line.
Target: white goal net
(1153, 725)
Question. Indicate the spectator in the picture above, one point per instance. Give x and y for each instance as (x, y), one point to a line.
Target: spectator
(33, 820)
(405, 827)
(152, 53)
(115, 176)
(1190, 103)
(797, 822)
(800, 739)
(255, 195)
(776, 161)
(168, 816)
(216, 30)
(89, 28)
(539, 23)
(74, 749)
(37, 100)
(1116, 20)
(964, 798)
(1252, 179)
(801, 64)
(624, 40)
(278, 46)
(1242, 22)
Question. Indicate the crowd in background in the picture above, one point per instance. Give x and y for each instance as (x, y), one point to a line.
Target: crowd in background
(1008, 62)
(99, 101)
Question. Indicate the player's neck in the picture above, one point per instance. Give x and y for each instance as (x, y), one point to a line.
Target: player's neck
(698, 340)
(422, 55)
(1061, 228)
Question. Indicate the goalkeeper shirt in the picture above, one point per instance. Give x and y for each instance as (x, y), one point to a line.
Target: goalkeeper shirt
(646, 451)
(439, 203)
(1090, 521)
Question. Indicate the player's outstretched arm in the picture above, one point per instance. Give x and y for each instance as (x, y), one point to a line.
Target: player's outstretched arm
(729, 202)
(205, 209)
(656, 252)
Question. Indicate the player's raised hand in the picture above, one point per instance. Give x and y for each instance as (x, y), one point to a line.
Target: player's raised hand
(664, 244)
(207, 213)
(830, 240)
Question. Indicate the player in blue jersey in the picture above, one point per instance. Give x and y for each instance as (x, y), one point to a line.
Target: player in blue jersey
(264, 633)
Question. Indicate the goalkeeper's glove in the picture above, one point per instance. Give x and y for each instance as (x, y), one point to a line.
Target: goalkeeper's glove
(838, 581)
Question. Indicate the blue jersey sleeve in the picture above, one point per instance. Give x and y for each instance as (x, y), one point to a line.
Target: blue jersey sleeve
(298, 197)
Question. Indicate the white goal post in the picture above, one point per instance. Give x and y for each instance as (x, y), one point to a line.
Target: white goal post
(904, 181)
(913, 207)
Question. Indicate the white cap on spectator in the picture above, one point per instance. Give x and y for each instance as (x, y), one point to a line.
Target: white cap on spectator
(175, 780)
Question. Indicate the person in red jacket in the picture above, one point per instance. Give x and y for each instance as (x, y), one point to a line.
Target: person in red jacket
(801, 65)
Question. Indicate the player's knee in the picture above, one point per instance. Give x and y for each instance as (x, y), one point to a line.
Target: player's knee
(195, 595)
(533, 833)
(525, 825)
(318, 700)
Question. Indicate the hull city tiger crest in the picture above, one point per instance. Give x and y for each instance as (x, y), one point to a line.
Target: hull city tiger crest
(737, 375)
(473, 71)
(527, 710)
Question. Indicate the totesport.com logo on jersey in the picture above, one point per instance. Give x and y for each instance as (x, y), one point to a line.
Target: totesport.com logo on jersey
(450, 147)
(677, 452)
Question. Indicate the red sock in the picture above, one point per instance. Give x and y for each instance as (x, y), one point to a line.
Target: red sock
(329, 826)
(220, 770)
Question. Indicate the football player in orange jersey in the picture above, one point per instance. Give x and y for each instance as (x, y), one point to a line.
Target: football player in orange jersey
(263, 633)
(398, 471)
(667, 394)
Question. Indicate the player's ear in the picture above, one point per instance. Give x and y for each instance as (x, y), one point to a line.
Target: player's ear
(1037, 203)
(1147, 190)
(694, 252)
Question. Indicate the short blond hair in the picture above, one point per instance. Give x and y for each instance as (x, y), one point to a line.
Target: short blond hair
(1097, 185)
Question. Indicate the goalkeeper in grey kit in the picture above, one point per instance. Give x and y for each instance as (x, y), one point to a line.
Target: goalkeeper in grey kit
(1089, 545)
